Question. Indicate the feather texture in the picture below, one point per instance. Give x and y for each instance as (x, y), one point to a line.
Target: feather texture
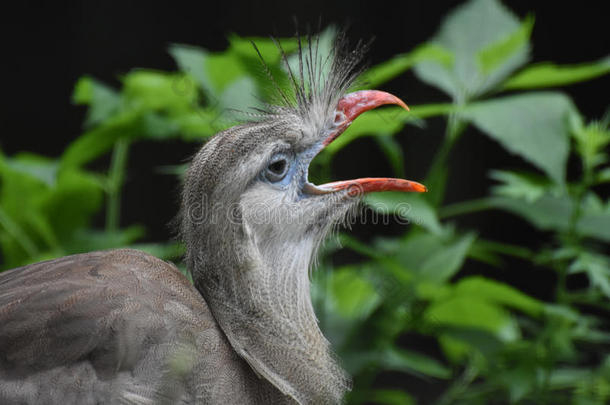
(117, 327)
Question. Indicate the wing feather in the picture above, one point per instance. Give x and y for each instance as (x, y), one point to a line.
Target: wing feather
(115, 327)
(93, 317)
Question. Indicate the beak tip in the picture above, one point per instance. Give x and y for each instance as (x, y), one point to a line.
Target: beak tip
(403, 105)
(419, 188)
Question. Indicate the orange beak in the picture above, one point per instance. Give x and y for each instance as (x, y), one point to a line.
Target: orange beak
(348, 109)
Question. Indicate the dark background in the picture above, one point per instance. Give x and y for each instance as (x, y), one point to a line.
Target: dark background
(46, 48)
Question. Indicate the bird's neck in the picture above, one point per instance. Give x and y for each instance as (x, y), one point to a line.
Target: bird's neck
(265, 310)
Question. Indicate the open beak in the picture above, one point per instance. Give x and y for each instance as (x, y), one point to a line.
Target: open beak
(348, 109)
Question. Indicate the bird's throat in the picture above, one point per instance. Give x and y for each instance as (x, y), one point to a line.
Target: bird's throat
(269, 320)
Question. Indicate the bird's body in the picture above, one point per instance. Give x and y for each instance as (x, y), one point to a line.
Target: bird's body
(124, 327)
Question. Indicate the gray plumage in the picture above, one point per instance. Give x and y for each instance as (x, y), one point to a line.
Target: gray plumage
(124, 327)
(116, 327)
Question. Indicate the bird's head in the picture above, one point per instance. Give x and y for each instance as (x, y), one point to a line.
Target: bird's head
(251, 181)
(255, 176)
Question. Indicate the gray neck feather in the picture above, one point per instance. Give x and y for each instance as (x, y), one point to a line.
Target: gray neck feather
(254, 276)
(259, 292)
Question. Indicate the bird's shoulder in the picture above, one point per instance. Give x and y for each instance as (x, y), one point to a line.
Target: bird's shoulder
(115, 326)
(63, 310)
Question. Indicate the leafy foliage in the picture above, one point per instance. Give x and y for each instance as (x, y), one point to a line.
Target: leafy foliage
(495, 343)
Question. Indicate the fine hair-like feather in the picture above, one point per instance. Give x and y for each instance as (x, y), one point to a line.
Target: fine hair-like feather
(319, 80)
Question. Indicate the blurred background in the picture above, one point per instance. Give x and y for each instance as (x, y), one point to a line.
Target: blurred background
(551, 274)
(48, 47)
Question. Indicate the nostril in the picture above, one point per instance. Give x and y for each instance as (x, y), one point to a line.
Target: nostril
(339, 117)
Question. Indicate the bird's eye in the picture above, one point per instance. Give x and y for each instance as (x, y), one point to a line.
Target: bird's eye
(277, 169)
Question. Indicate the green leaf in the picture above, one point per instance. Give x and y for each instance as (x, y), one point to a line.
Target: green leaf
(84, 90)
(383, 258)
(478, 26)
(479, 251)
(103, 101)
(591, 141)
(410, 206)
(520, 381)
(433, 257)
(158, 126)
(192, 61)
(222, 69)
(273, 64)
(554, 212)
(550, 75)
(357, 246)
(36, 166)
(527, 186)
(594, 220)
(603, 176)
(39, 214)
(158, 91)
(477, 304)
(597, 268)
(443, 264)
(495, 55)
(267, 46)
(432, 110)
(412, 362)
(72, 203)
(99, 140)
(14, 240)
(201, 123)
(469, 313)
(384, 397)
(321, 46)
(498, 293)
(165, 251)
(388, 70)
(241, 95)
(25, 229)
(353, 296)
(567, 377)
(87, 240)
(534, 126)
(234, 78)
(212, 71)
(341, 313)
(488, 251)
(546, 213)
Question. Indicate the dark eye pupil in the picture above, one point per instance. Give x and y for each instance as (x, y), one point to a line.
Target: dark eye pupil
(278, 167)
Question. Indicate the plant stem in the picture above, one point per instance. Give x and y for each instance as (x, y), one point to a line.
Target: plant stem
(571, 236)
(13, 229)
(459, 386)
(465, 207)
(116, 176)
(507, 249)
(437, 175)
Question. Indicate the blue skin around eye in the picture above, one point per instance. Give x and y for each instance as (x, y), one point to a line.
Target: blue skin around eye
(298, 166)
(292, 167)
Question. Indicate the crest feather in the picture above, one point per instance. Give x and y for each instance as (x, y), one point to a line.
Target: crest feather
(318, 79)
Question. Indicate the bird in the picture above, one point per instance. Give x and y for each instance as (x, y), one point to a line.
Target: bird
(124, 327)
